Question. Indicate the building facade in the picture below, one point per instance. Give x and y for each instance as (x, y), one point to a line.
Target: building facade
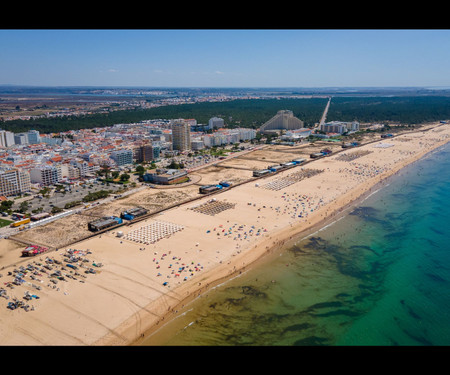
(228, 136)
(339, 127)
(284, 119)
(46, 175)
(215, 122)
(144, 153)
(51, 141)
(33, 137)
(122, 157)
(197, 144)
(21, 139)
(296, 135)
(181, 136)
(14, 182)
(6, 138)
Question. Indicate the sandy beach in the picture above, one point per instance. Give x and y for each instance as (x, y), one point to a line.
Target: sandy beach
(126, 285)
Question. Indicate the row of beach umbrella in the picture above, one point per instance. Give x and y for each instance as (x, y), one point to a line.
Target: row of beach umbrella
(153, 232)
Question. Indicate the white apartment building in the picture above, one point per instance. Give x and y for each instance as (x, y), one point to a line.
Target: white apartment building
(14, 182)
(339, 127)
(21, 138)
(191, 121)
(215, 122)
(51, 141)
(354, 127)
(246, 134)
(122, 157)
(228, 137)
(6, 138)
(69, 171)
(215, 139)
(46, 175)
(92, 168)
(83, 167)
(197, 144)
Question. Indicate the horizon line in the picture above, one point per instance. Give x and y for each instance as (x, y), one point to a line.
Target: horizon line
(222, 87)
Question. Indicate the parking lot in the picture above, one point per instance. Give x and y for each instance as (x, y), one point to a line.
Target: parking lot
(77, 193)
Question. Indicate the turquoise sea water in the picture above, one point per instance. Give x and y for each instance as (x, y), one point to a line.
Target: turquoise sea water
(378, 276)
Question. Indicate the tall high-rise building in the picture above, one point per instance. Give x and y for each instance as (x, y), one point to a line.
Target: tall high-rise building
(33, 137)
(6, 138)
(21, 138)
(144, 153)
(181, 135)
(14, 181)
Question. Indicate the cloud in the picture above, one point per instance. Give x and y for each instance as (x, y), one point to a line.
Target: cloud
(113, 70)
(207, 73)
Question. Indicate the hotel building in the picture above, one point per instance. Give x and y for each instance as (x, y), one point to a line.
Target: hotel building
(284, 119)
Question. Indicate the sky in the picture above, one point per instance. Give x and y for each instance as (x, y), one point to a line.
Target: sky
(225, 57)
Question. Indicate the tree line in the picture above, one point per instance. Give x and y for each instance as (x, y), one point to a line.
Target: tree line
(404, 110)
(252, 113)
(249, 113)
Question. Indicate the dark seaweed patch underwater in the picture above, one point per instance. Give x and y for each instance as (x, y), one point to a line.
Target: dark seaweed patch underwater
(376, 277)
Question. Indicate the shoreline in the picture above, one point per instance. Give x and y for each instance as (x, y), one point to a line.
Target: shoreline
(127, 302)
(262, 256)
(261, 252)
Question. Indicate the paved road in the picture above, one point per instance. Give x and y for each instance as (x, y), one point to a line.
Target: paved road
(324, 115)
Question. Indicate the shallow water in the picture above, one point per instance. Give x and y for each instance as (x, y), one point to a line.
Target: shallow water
(378, 276)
